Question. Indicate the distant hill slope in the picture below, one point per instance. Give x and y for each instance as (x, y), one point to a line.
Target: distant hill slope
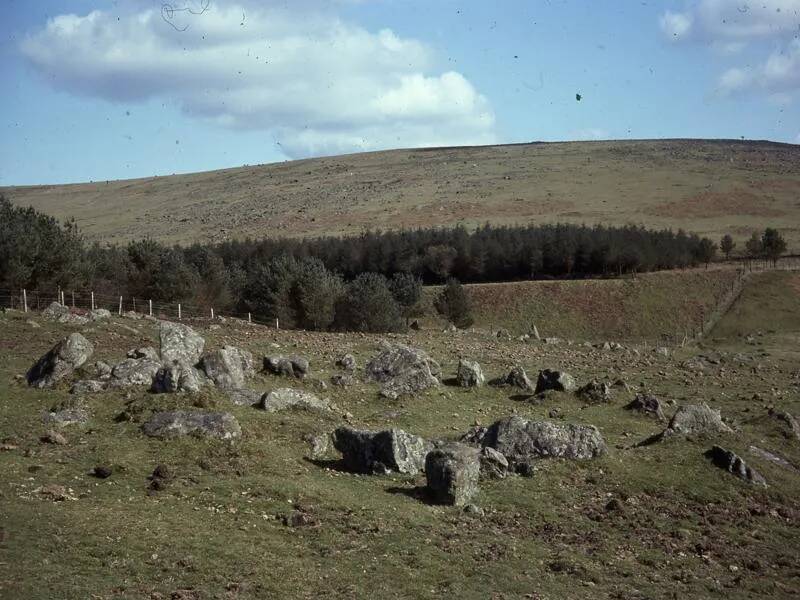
(709, 187)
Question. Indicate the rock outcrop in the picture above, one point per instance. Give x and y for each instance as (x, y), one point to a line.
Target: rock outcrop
(734, 464)
(228, 367)
(290, 398)
(60, 362)
(179, 342)
(381, 451)
(469, 374)
(287, 366)
(558, 381)
(402, 371)
(452, 474)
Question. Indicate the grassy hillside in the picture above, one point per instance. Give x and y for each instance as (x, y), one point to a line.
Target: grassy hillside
(709, 187)
(654, 306)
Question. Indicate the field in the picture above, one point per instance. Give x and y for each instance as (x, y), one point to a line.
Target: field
(658, 521)
(707, 187)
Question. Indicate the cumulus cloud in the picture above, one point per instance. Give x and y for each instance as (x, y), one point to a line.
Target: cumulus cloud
(730, 26)
(310, 80)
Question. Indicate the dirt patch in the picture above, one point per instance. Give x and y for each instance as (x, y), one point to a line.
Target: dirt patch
(709, 205)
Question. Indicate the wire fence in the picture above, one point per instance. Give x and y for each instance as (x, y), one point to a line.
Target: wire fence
(84, 301)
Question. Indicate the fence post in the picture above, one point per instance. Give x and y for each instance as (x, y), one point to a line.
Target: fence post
(120, 306)
(25, 300)
(212, 314)
(92, 300)
(73, 298)
(58, 296)
(249, 320)
(134, 305)
(277, 325)
(151, 307)
(179, 311)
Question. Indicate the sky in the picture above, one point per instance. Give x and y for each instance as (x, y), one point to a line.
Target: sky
(98, 90)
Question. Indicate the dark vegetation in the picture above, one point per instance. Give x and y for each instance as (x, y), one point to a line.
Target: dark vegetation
(367, 283)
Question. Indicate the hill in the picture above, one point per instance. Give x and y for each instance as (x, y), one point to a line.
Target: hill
(708, 187)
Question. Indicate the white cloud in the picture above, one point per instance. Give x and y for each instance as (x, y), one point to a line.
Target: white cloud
(732, 20)
(676, 26)
(313, 82)
(778, 75)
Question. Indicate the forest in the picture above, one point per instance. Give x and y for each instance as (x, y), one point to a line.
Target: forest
(367, 282)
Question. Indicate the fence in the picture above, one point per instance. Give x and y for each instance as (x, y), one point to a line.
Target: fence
(82, 301)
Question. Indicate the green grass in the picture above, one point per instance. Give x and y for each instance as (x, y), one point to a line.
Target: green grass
(217, 528)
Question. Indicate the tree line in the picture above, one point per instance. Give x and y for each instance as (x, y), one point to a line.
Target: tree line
(370, 282)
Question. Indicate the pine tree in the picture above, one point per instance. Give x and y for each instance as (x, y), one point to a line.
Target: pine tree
(454, 305)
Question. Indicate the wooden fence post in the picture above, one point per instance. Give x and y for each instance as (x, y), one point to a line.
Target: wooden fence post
(151, 307)
(249, 320)
(73, 298)
(120, 306)
(92, 300)
(25, 300)
(277, 325)
(179, 311)
(212, 314)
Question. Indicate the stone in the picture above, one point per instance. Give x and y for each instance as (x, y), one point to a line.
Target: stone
(177, 376)
(734, 464)
(60, 362)
(101, 370)
(646, 404)
(595, 392)
(54, 437)
(290, 398)
(346, 362)
(469, 374)
(696, 420)
(790, 421)
(319, 445)
(287, 366)
(493, 464)
(88, 386)
(179, 342)
(452, 473)
(55, 311)
(245, 397)
(172, 424)
(133, 371)
(102, 471)
(474, 435)
(516, 378)
(66, 416)
(343, 380)
(773, 458)
(503, 334)
(402, 370)
(381, 451)
(558, 381)
(144, 352)
(521, 441)
(99, 313)
(228, 367)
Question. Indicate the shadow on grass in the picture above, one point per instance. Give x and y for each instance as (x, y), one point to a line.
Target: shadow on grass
(336, 464)
(418, 493)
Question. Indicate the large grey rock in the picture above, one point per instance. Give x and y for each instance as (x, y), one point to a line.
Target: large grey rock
(646, 404)
(402, 370)
(99, 313)
(177, 423)
(522, 441)
(595, 392)
(288, 398)
(60, 362)
(791, 422)
(696, 420)
(287, 366)
(55, 311)
(228, 367)
(469, 374)
(558, 381)
(133, 371)
(381, 451)
(179, 343)
(452, 473)
(493, 464)
(101, 370)
(347, 362)
(773, 458)
(516, 378)
(177, 376)
(734, 464)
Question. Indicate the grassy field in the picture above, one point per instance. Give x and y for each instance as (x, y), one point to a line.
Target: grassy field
(679, 527)
(666, 306)
(708, 187)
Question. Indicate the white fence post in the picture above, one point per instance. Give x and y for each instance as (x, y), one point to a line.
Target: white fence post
(212, 314)
(277, 325)
(58, 297)
(92, 300)
(249, 320)
(120, 306)
(25, 300)
(151, 307)
(179, 311)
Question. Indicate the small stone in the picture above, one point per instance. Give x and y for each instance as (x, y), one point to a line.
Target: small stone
(54, 437)
(102, 472)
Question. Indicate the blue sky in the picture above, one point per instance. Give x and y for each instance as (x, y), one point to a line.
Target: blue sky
(97, 90)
